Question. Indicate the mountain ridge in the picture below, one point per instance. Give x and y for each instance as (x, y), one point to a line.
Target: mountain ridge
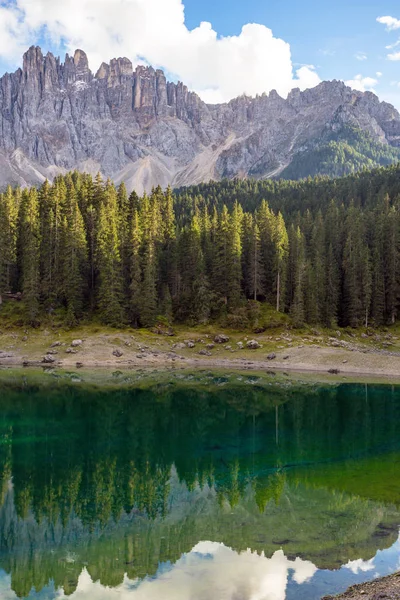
(135, 126)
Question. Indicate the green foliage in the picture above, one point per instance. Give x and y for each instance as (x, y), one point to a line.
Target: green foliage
(341, 153)
(323, 251)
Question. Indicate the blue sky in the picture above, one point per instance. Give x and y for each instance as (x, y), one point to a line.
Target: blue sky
(310, 40)
(328, 35)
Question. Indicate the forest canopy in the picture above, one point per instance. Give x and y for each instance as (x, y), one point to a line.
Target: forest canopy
(325, 251)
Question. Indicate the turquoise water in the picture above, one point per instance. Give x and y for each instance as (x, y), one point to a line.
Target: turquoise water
(220, 487)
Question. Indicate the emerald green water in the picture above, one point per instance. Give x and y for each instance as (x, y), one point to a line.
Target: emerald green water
(198, 487)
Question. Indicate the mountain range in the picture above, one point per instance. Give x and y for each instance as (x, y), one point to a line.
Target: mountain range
(135, 126)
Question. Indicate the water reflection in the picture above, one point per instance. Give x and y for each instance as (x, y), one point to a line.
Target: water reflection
(212, 570)
(109, 492)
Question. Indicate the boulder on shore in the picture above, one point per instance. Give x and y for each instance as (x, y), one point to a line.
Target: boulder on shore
(253, 345)
(221, 338)
(76, 343)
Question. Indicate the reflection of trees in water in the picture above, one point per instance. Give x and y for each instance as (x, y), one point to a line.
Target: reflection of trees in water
(97, 454)
(84, 463)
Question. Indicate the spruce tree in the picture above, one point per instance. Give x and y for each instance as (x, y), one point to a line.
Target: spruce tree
(297, 309)
(110, 288)
(8, 241)
(281, 256)
(74, 256)
(30, 254)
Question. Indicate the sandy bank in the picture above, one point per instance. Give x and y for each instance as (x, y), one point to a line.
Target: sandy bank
(121, 351)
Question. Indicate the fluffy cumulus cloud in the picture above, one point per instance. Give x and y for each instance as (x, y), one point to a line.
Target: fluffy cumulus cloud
(209, 566)
(154, 31)
(392, 24)
(362, 84)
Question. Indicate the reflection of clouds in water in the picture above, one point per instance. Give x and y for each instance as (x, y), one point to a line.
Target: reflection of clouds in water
(360, 565)
(210, 570)
(5, 587)
(384, 561)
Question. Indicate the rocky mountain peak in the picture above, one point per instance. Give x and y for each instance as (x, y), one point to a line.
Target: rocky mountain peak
(81, 63)
(134, 125)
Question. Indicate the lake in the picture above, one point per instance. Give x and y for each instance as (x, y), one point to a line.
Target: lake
(197, 486)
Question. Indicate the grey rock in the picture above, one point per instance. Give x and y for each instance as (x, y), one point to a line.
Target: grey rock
(71, 351)
(271, 356)
(253, 345)
(221, 338)
(205, 353)
(117, 353)
(190, 344)
(76, 343)
(48, 359)
(55, 345)
(133, 125)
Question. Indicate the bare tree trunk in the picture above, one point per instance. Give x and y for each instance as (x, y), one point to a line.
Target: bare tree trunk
(278, 291)
(255, 270)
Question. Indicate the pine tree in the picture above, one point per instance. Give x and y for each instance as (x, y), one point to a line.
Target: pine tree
(74, 256)
(221, 261)
(392, 263)
(8, 241)
(168, 253)
(266, 223)
(150, 227)
(124, 235)
(256, 272)
(30, 254)
(235, 256)
(281, 252)
(51, 206)
(135, 271)
(110, 290)
(297, 309)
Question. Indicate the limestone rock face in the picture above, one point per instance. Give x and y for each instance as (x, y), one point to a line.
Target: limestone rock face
(134, 126)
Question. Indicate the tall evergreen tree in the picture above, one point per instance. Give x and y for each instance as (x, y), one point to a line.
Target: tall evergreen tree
(30, 254)
(74, 256)
(110, 290)
(8, 241)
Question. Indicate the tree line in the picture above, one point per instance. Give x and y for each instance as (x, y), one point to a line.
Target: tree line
(324, 251)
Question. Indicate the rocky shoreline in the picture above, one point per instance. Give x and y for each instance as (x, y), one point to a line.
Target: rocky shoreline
(386, 588)
(334, 356)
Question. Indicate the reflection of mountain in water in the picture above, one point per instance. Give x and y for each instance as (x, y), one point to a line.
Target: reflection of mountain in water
(120, 481)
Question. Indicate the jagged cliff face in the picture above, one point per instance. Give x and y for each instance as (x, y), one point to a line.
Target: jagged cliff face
(136, 127)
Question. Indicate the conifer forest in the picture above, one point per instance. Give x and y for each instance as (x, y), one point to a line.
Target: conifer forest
(325, 251)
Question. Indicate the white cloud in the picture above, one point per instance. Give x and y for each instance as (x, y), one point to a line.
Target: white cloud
(391, 46)
(362, 84)
(391, 22)
(209, 566)
(361, 56)
(394, 56)
(379, 74)
(360, 565)
(219, 68)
